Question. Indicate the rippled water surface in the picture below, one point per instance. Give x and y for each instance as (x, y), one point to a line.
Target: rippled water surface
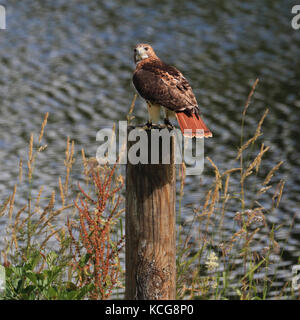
(74, 60)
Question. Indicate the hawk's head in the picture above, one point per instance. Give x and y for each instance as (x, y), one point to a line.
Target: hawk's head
(143, 51)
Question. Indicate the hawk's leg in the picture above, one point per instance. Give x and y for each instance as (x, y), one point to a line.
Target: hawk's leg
(166, 119)
(153, 112)
(148, 124)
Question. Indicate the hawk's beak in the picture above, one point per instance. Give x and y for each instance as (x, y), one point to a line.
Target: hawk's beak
(137, 57)
(140, 54)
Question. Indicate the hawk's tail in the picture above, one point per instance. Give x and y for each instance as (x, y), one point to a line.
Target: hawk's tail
(192, 122)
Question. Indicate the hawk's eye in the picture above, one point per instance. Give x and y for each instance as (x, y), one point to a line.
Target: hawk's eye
(134, 50)
(146, 48)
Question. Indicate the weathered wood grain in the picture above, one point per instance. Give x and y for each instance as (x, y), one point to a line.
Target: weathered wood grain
(150, 229)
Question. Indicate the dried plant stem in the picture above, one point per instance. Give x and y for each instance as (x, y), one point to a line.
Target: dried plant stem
(43, 127)
(129, 115)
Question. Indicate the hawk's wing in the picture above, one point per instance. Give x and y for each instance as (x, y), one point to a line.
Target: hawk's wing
(164, 85)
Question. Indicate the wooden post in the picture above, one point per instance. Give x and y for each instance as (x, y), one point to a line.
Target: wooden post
(150, 228)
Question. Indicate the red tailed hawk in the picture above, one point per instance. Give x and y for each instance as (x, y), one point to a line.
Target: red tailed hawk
(162, 85)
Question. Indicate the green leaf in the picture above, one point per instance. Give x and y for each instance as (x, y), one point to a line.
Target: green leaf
(52, 292)
(51, 257)
(84, 260)
(29, 289)
(20, 285)
(18, 271)
(32, 276)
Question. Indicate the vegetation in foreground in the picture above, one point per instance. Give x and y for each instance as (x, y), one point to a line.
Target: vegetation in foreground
(80, 258)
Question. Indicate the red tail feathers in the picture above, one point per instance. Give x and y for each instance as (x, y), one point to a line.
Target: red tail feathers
(193, 123)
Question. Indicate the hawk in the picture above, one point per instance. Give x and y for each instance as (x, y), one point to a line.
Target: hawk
(164, 86)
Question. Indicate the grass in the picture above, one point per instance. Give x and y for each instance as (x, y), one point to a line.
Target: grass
(214, 266)
(81, 259)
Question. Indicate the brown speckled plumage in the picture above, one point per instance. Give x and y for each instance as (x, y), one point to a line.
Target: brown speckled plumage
(164, 85)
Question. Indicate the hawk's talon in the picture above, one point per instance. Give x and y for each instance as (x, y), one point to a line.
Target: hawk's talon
(168, 123)
(148, 125)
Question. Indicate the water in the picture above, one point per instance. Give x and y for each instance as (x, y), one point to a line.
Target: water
(74, 60)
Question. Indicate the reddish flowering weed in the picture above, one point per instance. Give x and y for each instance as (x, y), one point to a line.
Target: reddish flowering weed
(95, 254)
